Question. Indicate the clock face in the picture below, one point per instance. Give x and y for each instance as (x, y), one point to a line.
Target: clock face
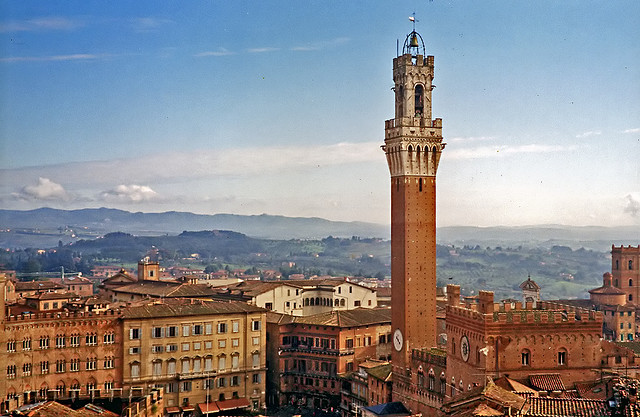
(397, 340)
(464, 348)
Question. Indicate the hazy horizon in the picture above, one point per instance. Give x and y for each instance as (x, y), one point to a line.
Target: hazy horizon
(279, 108)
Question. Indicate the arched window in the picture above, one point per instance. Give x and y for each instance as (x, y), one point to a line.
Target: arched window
(617, 264)
(562, 357)
(630, 297)
(420, 376)
(62, 390)
(615, 283)
(453, 386)
(342, 303)
(453, 345)
(171, 367)
(630, 282)
(630, 265)
(420, 184)
(311, 301)
(156, 367)
(525, 357)
(186, 366)
(419, 100)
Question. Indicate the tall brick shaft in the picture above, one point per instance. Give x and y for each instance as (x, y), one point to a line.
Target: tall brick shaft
(413, 145)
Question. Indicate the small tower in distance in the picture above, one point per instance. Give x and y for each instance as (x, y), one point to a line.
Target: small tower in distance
(530, 291)
(413, 145)
(148, 271)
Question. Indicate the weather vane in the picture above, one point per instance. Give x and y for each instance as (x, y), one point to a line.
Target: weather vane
(412, 18)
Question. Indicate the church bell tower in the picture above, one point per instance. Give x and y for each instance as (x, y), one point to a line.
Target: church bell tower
(413, 145)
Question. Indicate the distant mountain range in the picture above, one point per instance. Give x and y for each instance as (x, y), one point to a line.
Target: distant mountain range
(45, 227)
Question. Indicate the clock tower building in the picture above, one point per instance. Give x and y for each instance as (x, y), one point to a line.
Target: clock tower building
(413, 145)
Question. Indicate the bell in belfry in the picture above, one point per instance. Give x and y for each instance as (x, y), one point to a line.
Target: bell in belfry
(414, 41)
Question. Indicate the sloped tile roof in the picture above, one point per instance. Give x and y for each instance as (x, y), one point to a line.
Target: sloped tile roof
(381, 372)
(491, 393)
(529, 284)
(37, 286)
(348, 318)
(563, 407)
(607, 289)
(177, 308)
(513, 385)
(547, 382)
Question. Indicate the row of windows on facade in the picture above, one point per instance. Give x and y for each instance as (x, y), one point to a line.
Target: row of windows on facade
(431, 381)
(630, 265)
(187, 387)
(62, 341)
(208, 344)
(314, 382)
(525, 357)
(193, 365)
(61, 390)
(307, 365)
(211, 383)
(326, 343)
(192, 330)
(90, 364)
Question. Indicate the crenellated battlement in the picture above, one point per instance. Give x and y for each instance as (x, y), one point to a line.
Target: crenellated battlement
(631, 250)
(62, 315)
(544, 312)
(416, 61)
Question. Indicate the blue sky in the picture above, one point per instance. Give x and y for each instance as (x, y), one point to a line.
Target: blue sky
(278, 107)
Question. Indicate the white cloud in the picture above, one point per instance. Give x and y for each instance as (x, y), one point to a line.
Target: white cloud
(262, 50)
(633, 204)
(45, 189)
(219, 52)
(500, 151)
(71, 57)
(129, 194)
(320, 45)
(148, 24)
(589, 133)
(41, 23)
(635, 130)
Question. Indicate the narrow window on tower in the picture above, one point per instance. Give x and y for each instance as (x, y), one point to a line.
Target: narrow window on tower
(397, 185)
(419, 97)
(400, 97)
(420, 184)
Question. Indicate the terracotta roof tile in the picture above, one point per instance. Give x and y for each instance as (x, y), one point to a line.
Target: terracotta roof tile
(562, 407)
(547, 382)
(348, 318)
(188, 308)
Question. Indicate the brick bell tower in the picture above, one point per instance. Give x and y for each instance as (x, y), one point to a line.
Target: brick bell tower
(413, 145)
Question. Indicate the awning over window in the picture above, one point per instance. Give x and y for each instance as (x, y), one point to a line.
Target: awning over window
(233, 403)
(207, 408)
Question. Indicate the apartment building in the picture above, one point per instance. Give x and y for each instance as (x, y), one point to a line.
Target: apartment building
(205, 354)
(307, 297)
(50, 355)
(314, 352)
